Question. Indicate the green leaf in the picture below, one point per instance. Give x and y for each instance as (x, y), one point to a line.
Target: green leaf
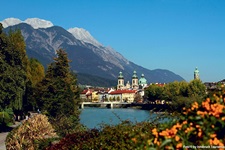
(165, 142)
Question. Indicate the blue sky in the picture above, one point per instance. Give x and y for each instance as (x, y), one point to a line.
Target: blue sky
(177, 35)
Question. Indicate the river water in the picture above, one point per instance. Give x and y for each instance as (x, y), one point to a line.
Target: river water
(93, 117)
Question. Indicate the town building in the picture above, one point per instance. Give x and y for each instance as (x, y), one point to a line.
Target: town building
(122, 95)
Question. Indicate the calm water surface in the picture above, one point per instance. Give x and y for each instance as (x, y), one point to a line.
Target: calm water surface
(94, 117)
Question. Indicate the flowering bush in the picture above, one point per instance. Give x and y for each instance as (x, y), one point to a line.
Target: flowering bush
(200, 126)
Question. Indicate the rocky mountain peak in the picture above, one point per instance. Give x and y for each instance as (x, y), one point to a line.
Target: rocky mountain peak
(84, 35)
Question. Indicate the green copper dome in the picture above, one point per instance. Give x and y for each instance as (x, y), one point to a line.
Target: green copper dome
(142, 80)
(135, 75)
(120, 75)
(196, 70)
(196, 73)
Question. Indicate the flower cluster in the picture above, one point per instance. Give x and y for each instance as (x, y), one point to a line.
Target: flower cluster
(202, 124)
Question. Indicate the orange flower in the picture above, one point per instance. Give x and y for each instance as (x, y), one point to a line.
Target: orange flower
(199, 134)
(158, 143)
(134, 140)
(179, 145)
(154, 132)
(155, 140)
(197, 126)
(215, 141)
(169, 133)
(201, 113)
(188, 129)
(184, 122)
(178, 126)
(206, 105)
(177, 138)
(213, 135)
(194, 105)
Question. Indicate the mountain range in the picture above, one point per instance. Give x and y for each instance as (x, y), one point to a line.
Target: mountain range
(90, 59)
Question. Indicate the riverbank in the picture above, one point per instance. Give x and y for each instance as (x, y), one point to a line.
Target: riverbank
(143, 106)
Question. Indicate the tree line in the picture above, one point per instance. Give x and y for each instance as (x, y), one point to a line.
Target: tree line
(180, 94)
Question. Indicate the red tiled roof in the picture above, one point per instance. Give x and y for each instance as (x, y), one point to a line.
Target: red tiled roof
(122, 91)
(84, 92)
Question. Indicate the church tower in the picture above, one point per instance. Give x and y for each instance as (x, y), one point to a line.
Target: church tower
(135, 81)
(120, 84)
(196, 74)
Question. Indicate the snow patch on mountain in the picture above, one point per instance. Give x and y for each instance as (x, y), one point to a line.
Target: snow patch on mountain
(38, 23)
(10, 22)
(84, 35)
(34, 22)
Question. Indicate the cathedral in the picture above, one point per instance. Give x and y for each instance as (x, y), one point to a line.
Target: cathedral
(135, 83)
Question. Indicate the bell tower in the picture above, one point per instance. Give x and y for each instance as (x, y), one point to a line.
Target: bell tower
(120, 84)
(196, 74)
(135, 81)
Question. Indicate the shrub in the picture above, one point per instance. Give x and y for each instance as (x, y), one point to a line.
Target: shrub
(64, 125)
(75, 140)
(4, 119)
(25, 135)
(123, 136)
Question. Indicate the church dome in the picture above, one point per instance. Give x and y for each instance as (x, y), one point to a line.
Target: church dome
(120, 75)
(142, 80)
(196, 70)
(135, 75)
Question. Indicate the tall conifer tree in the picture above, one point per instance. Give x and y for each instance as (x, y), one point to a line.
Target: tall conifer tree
(57, 93)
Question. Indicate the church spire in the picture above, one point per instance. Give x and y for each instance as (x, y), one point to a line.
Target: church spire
(135, 80)
(120, 84)
(196, 74)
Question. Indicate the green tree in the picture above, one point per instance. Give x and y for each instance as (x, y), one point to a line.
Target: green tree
(196, 89)
(58, 94)
(37, 72)
(137, 97)
(35, 75)
(154, 92)
(13, 77)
